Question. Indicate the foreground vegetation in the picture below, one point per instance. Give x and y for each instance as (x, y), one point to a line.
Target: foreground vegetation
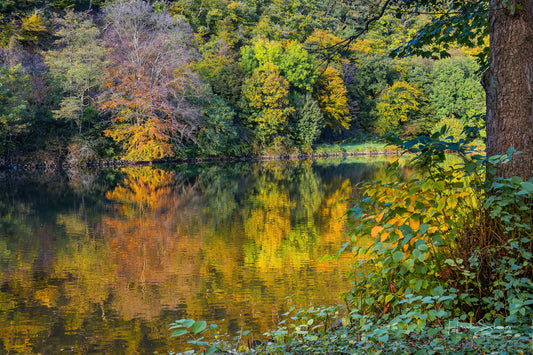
(449, 271)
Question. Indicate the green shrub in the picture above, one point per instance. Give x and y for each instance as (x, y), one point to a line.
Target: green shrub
(449, 271)
(447, 242)
(327, 149)
(455, 130)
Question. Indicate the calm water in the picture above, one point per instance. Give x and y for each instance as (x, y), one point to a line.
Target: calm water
(101, 261)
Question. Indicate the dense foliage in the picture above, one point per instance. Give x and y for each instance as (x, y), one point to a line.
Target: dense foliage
(134, 79)
(449, 268)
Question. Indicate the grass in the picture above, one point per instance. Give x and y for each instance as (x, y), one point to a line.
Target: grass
(338, 148)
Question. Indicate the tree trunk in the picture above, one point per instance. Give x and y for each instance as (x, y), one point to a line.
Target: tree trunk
(509, 85)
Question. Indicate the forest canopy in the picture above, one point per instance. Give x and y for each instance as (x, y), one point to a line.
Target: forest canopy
(140, 80)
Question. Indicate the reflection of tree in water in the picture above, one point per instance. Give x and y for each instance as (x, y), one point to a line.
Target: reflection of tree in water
(277, 210)
(187, 239)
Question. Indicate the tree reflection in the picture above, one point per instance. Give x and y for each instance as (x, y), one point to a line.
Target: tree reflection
(206, 242)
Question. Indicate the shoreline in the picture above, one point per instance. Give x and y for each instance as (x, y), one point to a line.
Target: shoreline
(51, 165)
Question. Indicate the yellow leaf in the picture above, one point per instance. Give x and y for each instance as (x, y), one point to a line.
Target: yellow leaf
(384, 236)
(414, 223)
(375, 231)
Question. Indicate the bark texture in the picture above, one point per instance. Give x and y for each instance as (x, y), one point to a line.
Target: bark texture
(509, 84)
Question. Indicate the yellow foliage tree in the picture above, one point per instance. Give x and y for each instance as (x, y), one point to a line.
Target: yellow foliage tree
(331, 95)
(265, 100)
(32, 29)
(397, 105)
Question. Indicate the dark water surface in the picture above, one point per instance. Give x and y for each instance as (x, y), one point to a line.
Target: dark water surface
(101, 261)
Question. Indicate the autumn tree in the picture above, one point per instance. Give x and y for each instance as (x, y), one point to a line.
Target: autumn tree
(331, 95)
(396, 106)
(148, 80)
(266, 104)
(31, 30)
(76, 65)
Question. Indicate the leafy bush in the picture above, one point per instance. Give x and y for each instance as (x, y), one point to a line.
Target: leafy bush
(449, 271)
(448, 242)
(327, 149)
(80, 151)
(454, 128)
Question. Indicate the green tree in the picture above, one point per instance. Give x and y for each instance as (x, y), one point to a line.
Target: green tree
(366, 80)
(306, 122)
(15, 112)
(76, 65)
(217, 135)
(457, 91)
(290, 57)
(266, 104)
(297, 66)
(396, 106)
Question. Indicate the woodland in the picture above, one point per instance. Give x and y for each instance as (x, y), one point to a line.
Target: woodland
(449, 267)
(93, 80)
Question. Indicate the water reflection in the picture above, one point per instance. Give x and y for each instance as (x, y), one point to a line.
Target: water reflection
(102, 261)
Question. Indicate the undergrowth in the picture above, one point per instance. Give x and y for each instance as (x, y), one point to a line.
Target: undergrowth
(449, 270)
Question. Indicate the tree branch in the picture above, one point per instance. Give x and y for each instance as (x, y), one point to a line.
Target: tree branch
(346, 42)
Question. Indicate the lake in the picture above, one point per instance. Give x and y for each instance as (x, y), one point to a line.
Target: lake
(101, 261)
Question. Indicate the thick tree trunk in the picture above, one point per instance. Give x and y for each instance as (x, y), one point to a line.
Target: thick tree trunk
(509, 84)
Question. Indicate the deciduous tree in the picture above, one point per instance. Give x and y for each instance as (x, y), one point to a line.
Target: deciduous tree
(507, 81)
(397, 105)
(15, 112)
(331, 95)
(307, 122)
(266, 104)
(76, 65)
(291, 58)
(457, 91)
(148, 80)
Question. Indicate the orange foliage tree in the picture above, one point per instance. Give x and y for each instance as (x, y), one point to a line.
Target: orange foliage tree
(149, 84)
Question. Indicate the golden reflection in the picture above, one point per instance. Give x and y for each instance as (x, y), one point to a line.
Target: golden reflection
(224, 242)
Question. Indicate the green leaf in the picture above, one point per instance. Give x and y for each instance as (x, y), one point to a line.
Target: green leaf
(418, 285)
(423, 229)
(179, 332)
(211, 350)
(407, 232)
(398, 256)
(384, 338)
(527, 186)
(456, 338)
(187, 323)
(198, 326)
(422, 247)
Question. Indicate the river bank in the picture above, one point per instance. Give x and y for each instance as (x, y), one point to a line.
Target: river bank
(52, 165)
